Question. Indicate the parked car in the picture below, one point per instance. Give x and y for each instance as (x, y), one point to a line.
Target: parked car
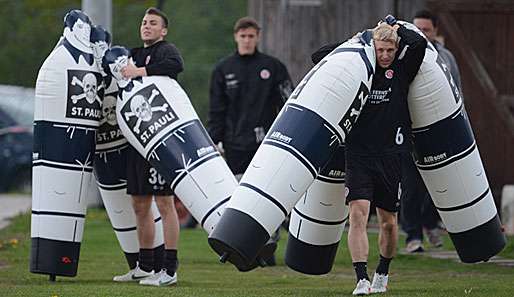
(16, 117)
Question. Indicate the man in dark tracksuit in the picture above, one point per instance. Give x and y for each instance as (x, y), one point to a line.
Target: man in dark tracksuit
(248, 89)
(156, 57)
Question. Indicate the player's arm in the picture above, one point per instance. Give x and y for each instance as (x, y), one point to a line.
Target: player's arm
(284, 86)
(218, 104)
(413, 52)
(167, 61)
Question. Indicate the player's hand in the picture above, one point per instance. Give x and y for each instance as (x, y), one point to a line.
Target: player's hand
(130, 71)
(219, 146)
(390, 20)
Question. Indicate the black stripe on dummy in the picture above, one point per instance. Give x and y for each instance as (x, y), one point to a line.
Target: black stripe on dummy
(181, 150)
(301, 131)
(293, 152)
(64, 143)
(321, 222)
(443, 142)
(61, 166)
(212, 210)
(128, 229)
(466, 205)
(267, 196)
(54, 257)
(110, 168)
(333, 172)
(120, 186)
(184, 173)
(241, 253)
(58, 214)
(480, 243)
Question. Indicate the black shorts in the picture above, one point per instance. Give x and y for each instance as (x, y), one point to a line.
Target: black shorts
(377, 179)
(238, 160)
(142, 178)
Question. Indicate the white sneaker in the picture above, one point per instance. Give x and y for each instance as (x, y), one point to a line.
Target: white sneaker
(162, 278)
(135, 274)
(379, 284)
(414, 246)
(363, 287)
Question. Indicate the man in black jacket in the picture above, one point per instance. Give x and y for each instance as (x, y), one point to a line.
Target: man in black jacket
(156, 57)
(248, 89)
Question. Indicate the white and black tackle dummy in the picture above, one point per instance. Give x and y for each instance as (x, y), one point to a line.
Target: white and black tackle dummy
(159, 121)
(68, 104)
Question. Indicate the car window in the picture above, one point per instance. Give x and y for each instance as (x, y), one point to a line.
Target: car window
(18, 104)
(5, 120)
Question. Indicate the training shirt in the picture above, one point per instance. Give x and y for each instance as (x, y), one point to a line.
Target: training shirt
(161, 58)
(384, 125)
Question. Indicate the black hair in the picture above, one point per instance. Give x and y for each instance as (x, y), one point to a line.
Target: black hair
(71, 18)
(427, 14)
(111, 55)
(156, 11)
(98, 33)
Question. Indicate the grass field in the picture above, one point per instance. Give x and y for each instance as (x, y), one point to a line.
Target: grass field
(200, 274)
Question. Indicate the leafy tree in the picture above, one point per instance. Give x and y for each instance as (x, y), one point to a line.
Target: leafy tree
(201, 29)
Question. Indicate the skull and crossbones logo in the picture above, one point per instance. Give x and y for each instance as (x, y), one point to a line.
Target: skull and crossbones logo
(109, 111)
(143, 109)
(89, 86)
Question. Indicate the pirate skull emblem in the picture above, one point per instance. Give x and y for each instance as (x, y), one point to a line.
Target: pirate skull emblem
(89, 83)
(109, 111)
(89, 87)
(143, 109)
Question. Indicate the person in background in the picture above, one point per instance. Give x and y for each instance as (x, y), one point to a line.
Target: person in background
(247, 90)
(428, 23)
(418, 211)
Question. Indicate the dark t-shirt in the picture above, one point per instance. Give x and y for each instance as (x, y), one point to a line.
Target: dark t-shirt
(161, 58)
(384, 125)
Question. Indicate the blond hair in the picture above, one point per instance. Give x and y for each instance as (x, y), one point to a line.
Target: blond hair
(385, 32)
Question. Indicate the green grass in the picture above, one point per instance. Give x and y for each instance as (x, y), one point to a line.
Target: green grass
(200, 274)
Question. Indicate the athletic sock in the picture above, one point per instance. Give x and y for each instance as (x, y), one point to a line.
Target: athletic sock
(146, 259)
(383, 265)
(170, 261)
(132, 259)
(361, 270)
(158, 258)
